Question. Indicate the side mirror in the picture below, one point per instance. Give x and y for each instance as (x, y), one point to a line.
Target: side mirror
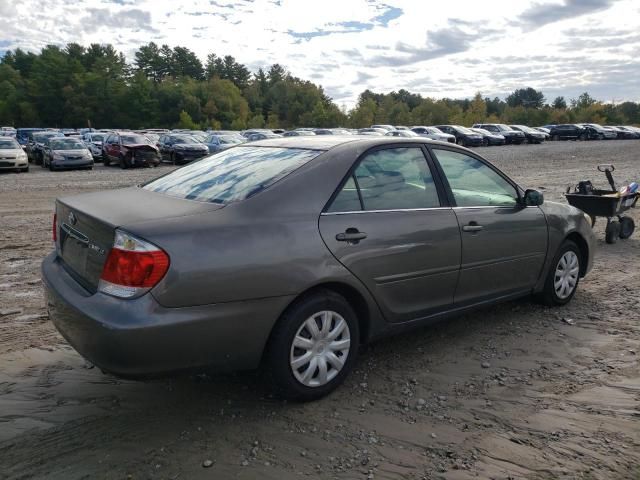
(533, 198)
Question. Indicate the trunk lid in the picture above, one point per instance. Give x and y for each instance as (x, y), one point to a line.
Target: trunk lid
(86, 225)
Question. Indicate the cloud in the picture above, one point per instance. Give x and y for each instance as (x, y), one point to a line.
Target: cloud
(440, 43)
(132, 18)
(542, 14)
(363, 78)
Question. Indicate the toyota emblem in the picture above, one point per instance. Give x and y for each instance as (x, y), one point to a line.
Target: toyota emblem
(72, 218)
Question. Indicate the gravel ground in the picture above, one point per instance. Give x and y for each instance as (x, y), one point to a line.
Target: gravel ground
(513, 391)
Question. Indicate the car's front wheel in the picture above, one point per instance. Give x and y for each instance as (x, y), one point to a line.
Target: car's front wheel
(564, 275)
(313, 347)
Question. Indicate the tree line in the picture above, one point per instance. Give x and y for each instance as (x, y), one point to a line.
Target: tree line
(166, 87)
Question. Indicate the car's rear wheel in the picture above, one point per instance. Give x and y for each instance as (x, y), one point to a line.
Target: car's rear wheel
(563, 277)
(313, 347)
(105, 159)
(485, 142)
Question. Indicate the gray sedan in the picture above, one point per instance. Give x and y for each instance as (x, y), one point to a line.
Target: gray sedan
(293, 252)
(65, 153)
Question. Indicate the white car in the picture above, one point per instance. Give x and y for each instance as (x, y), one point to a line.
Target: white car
(12, 156)
(434, 133)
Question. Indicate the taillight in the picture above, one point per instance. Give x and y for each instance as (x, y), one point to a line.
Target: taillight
(133, 267)
(54, 234)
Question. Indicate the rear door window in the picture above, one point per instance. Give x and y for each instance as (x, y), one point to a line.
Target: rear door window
(233, 174)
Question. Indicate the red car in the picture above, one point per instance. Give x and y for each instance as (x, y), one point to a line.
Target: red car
(130, 150)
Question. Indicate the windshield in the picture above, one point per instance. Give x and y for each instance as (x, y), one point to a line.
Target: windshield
(184, 140)
(66, 144)
(41, 137)
(503, 128)
(134, 139)
(8, 144)
(232, 175)
(230, 139)
(433, 130)
(97, 138)
(463, 129)
(482, 131)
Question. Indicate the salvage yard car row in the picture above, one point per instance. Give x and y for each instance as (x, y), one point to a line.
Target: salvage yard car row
(67, 148)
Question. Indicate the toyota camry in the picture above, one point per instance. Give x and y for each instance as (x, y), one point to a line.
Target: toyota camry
(293, 252)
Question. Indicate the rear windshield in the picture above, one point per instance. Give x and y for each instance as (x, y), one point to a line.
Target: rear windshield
(232, 175)
(134, 139)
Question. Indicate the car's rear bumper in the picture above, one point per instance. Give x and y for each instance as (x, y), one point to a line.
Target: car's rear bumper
(141, 337)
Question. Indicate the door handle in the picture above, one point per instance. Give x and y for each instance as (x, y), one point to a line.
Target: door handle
(472, 227)
(351, 235)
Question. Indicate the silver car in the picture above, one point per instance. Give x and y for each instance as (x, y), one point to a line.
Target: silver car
(434, 133)
(293, 252)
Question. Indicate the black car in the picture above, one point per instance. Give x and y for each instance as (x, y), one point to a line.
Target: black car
(464, 136)
(489, 138)
(531, 134)
(36, 144)
(632, 131)
(511, 136)
(180, 149)
(568, 131)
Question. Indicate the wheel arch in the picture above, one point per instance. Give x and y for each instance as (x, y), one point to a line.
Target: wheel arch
(351, 294)
(583, 246)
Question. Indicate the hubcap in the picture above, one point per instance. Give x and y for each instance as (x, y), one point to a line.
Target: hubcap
(320, 348)
(566, 276)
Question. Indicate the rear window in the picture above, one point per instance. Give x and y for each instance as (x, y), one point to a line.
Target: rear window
(232, 175)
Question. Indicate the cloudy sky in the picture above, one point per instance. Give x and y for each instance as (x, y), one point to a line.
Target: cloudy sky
(439, 49)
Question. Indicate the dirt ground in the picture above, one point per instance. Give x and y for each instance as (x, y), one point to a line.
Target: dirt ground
(513, 391)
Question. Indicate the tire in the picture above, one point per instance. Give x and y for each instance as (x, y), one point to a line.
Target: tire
(51, 168)
(25, 169)
(612, 232)
(281, 352)
(485, 142)
(555, 138)
(172, 158)
(105, 159)
(123, 162)
(627, 226)
(568, 259)
(459, 141)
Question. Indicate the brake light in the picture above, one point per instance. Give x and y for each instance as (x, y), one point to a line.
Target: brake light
(133, 267)
(54, 234)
